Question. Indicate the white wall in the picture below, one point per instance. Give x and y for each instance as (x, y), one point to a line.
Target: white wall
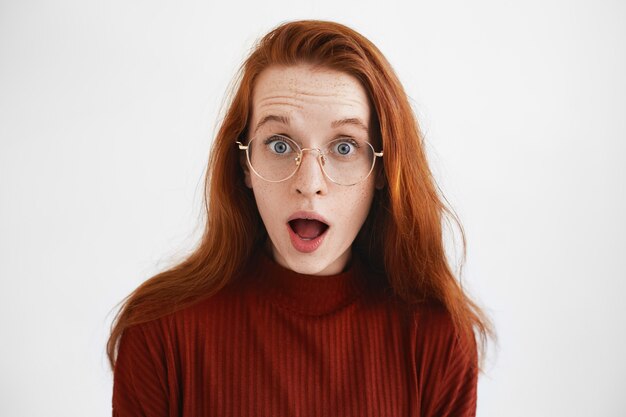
(107, 110)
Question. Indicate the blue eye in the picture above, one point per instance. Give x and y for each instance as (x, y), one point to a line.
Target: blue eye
(278, 146)
(344, 147)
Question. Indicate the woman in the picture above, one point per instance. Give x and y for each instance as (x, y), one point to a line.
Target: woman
(320, 286)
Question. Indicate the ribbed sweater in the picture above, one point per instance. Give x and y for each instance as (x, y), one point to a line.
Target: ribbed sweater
(277, 343)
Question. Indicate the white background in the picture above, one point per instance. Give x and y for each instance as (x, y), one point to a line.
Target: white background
(108, 109)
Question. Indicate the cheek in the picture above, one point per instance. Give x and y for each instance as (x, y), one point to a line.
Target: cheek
(268, 200)
(356, 206)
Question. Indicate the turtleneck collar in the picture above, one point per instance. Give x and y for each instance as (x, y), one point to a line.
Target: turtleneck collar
(311, 295)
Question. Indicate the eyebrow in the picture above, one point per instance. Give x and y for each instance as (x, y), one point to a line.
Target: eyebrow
(350, 121)
(285, 120)
(271, 118)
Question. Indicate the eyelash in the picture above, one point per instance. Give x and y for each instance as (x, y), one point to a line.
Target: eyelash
(351, 141)
(346, 138)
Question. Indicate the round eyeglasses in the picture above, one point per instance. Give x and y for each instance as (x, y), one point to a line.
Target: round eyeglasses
(344, 161)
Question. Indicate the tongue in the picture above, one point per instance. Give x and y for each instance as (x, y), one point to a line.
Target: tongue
(307, 229)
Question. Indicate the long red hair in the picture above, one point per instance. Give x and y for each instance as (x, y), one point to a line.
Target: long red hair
(402, 236)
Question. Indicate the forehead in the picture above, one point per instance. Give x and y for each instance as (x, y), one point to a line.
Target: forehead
(306, 89)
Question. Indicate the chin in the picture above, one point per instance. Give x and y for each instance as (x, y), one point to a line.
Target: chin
(321, 260)
(306, 265)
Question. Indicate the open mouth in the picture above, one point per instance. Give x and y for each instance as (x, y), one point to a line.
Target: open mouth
(308, 229)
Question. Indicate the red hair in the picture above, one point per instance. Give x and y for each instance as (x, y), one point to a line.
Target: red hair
(402, 236)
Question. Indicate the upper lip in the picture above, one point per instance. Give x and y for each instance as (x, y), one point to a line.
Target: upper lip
(309, 215)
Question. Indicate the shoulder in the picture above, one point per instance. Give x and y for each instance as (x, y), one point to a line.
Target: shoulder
(432, 316)
(196, 317)
(437, 334)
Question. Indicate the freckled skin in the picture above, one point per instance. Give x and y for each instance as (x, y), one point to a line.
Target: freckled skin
(312, 99)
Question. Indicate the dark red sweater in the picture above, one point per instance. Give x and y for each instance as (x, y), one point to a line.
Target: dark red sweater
(277, 343)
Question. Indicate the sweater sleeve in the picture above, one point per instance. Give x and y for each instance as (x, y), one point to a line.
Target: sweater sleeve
(140, 375)
(448, 365)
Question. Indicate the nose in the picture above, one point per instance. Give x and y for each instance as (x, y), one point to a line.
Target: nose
(310, 180)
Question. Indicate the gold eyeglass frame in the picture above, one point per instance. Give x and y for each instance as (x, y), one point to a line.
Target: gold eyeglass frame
(320, 159)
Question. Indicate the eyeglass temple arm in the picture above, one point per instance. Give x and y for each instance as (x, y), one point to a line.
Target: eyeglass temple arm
(378, 153)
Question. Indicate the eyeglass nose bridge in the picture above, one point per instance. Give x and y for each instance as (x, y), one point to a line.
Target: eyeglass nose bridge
(320, 156)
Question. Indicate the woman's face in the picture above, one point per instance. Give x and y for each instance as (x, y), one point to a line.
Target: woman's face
(308, 105)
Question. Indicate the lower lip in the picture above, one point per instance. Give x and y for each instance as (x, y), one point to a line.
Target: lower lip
(305, 246)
